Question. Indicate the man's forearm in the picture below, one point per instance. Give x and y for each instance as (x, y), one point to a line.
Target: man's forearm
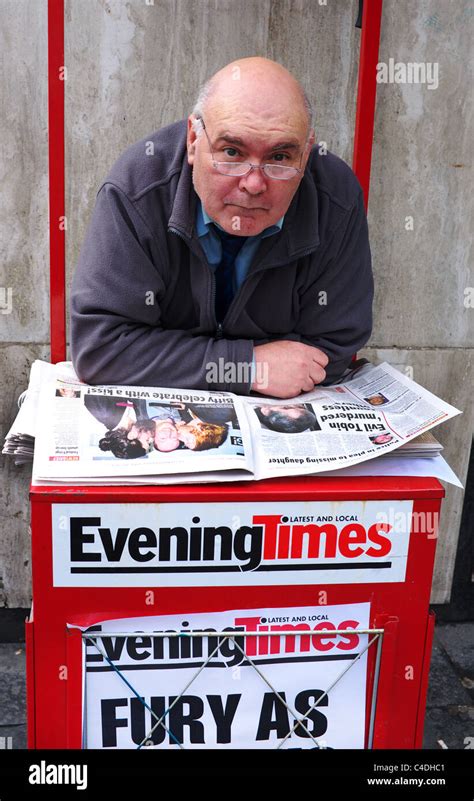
(122, 353)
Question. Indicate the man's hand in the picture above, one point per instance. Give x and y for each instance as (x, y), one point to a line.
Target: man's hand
(285, 368)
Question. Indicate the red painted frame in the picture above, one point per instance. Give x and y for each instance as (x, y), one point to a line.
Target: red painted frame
(366, 93)
(362, 156)
(57, 208)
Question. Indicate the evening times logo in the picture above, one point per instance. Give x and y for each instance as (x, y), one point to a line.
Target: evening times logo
(269, 542)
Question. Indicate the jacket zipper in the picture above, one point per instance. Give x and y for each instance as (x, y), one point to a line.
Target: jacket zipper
(218, 332)
(300, 255)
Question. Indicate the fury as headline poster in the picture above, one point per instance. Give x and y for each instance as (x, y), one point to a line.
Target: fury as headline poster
(274, 681)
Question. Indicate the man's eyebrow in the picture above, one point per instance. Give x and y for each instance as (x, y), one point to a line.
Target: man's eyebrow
(236, 140)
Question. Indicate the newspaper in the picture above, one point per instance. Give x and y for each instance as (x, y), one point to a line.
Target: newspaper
(127, 435)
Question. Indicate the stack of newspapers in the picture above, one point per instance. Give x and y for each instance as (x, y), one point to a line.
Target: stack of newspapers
(81, 434)
(19, 444)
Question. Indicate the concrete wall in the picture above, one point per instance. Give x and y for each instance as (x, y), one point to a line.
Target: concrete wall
(24, 255)
(135, 66)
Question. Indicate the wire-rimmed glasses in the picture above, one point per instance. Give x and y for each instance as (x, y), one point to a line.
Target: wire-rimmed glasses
(237, 169)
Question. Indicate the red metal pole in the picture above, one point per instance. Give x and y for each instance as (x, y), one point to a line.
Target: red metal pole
(365, 111)
(57, 218)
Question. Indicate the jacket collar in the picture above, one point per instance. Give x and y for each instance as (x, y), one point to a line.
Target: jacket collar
(299, 234)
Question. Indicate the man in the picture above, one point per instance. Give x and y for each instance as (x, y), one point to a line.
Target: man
(227, 253)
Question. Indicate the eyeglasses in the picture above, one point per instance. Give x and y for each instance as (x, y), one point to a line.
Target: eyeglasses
(238, 169)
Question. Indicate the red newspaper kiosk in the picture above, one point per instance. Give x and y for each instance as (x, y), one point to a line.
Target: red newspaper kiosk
(338, 566)
(285, 612)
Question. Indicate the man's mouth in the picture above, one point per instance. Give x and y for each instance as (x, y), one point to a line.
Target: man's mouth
(248, 208)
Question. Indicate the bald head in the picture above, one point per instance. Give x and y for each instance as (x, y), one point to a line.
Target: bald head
(260, 86)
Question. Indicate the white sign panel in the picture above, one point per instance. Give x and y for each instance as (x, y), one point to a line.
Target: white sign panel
(207, 693)
(221, 544)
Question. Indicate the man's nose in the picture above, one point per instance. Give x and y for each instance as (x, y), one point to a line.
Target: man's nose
(254, 183)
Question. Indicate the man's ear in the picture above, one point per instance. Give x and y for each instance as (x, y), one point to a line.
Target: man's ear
(191, 138)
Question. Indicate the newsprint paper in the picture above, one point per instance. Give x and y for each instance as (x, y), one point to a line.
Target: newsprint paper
(125, 435)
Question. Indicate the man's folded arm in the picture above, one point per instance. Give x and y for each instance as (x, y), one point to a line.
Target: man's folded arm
(116, 331)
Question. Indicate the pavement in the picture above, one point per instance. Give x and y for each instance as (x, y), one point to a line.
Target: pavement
(449, 721)
(450, 704)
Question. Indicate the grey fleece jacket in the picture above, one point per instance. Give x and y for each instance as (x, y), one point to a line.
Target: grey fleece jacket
(142, 303)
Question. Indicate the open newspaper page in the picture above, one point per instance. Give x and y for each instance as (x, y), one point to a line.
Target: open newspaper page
(96, 432)
(373, 412)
